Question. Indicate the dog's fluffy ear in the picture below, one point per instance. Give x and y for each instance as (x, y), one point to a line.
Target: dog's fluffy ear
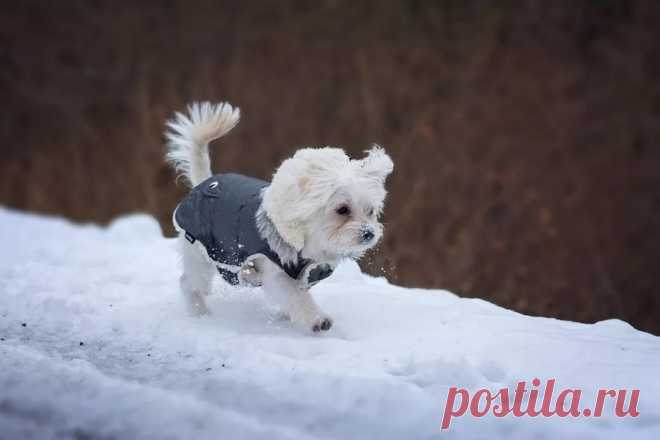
(377, 165)
(301, 186)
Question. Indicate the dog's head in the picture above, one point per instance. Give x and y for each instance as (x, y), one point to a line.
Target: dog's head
(326, 205)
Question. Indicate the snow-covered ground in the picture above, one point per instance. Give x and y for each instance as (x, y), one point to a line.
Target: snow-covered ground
(95, 343)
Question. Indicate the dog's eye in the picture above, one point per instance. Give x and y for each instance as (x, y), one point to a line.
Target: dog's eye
(371, 212)
(343, 210)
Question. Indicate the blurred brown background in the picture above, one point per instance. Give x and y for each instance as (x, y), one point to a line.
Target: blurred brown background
(524, 133)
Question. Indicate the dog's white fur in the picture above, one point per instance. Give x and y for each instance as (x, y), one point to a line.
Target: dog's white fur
(320, 204)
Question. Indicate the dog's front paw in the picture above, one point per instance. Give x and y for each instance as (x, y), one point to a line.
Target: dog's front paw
(322, 324)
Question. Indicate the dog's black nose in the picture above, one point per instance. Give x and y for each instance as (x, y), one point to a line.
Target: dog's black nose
(367, 235)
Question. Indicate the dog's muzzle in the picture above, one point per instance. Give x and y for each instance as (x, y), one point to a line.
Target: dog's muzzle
(366, 235)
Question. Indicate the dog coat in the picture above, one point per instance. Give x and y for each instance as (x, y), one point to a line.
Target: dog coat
(220, 213)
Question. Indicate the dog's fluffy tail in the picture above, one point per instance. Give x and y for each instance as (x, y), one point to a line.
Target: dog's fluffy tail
(189, 135)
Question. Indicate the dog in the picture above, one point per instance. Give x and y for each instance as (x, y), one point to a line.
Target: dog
(319, 208)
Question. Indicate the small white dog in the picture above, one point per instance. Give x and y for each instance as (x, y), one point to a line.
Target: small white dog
(286, 235)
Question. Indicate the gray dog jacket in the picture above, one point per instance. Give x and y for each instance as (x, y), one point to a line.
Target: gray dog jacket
(220, 213)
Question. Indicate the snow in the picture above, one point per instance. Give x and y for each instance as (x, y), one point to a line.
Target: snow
(107, 351)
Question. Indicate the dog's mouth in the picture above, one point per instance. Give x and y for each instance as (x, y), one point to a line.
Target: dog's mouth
(354, 255)
(357, 251)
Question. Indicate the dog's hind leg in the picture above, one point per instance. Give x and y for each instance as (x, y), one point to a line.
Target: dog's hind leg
(197, 277)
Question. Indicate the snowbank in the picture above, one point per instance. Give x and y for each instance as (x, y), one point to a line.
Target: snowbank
(95, 343)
